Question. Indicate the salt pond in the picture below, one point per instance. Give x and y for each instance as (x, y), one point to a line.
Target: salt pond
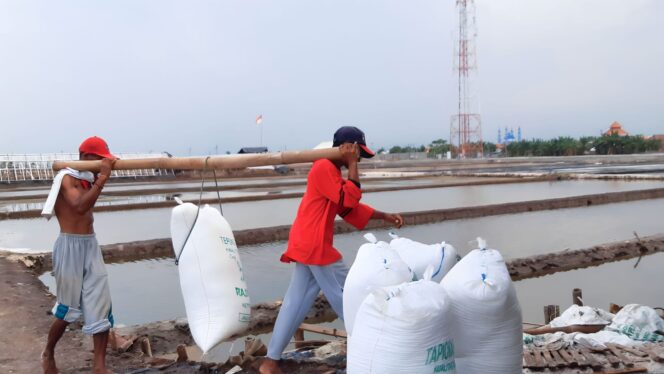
(124, 226)
(149, 290)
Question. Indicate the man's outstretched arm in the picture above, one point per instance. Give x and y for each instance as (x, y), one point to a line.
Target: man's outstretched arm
(391, 218)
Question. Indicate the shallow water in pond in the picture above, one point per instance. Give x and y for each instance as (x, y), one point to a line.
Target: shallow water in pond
(239, 188)
(147, 291)
(126, 226)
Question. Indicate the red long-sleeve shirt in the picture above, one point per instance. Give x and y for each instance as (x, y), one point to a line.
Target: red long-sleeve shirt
(327, 194)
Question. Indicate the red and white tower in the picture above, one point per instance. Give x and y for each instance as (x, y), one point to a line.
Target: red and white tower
(466, 124)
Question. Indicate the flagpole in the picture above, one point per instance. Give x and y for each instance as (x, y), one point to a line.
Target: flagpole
(259, 122)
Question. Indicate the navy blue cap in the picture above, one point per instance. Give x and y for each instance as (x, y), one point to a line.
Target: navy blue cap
(351, 134)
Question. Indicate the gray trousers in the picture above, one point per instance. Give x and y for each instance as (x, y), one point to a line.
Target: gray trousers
(307, 281)
(81, 283)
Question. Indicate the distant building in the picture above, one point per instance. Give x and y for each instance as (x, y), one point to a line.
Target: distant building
(509, 137)
(324, 145)
(616, 129)
(252, 150)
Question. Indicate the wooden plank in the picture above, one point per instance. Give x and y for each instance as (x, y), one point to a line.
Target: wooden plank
(577, 297)
(298, 338)
(548, 359)
(598, 349)
(324, 330)
(614, 308)
(567, 356)
(625, 361)
(613, 360)
(551, 312)
(586, 329)
(529, 360)
(578, 357)
(625, 371)
(633, 350)
(653, 353)
(560, 362)
(592, 361)
(539, 361)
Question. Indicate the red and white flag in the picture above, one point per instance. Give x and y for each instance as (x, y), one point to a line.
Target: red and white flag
(259, 119)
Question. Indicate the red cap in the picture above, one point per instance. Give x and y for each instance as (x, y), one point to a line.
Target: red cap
(96, 146)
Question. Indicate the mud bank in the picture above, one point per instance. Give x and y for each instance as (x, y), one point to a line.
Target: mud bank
(158, 248)
(263, 315)
(564, 176)
(35, 213)
(194, 186)
(541, 265)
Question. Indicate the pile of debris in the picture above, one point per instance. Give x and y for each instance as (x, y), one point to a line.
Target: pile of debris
(585, 339)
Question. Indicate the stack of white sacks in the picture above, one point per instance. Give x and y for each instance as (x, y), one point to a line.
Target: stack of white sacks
(401, 318)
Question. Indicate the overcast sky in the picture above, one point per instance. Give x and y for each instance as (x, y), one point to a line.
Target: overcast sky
(173, 75)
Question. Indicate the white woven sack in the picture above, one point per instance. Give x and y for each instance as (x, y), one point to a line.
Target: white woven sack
(419, 256)
(403, 329)
(376, 265)
(487, 317)
(213, 286)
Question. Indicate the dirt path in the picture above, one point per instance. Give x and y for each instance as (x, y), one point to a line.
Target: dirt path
(24, 324)
(23, 319)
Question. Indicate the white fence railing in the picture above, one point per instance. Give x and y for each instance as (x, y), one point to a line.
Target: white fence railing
(36, 167)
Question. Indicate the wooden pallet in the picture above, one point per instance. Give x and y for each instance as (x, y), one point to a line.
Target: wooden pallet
(613, 359)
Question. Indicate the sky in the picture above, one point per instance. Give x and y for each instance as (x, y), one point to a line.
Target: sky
(190, 77)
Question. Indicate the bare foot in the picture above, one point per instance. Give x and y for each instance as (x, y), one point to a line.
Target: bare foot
(48, 363)
(269, 366)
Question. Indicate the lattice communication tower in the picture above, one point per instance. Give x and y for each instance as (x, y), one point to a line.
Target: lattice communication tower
(466, 124)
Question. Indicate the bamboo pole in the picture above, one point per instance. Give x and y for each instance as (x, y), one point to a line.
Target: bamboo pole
(213, 162)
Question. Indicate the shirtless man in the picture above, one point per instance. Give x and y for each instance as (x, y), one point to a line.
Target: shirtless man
(78, 266)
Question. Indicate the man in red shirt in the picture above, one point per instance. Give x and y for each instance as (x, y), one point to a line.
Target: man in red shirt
(318, 265)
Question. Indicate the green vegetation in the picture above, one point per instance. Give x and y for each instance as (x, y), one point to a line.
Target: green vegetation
(436, 147)
(489, 147)
(561, 146)
(406, 149)
(567, 146)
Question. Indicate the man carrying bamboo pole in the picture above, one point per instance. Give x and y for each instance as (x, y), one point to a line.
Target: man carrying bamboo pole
(318, 265)
(78, 266)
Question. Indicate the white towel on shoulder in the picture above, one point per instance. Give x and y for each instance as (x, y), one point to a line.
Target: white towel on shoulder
(55, 189)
